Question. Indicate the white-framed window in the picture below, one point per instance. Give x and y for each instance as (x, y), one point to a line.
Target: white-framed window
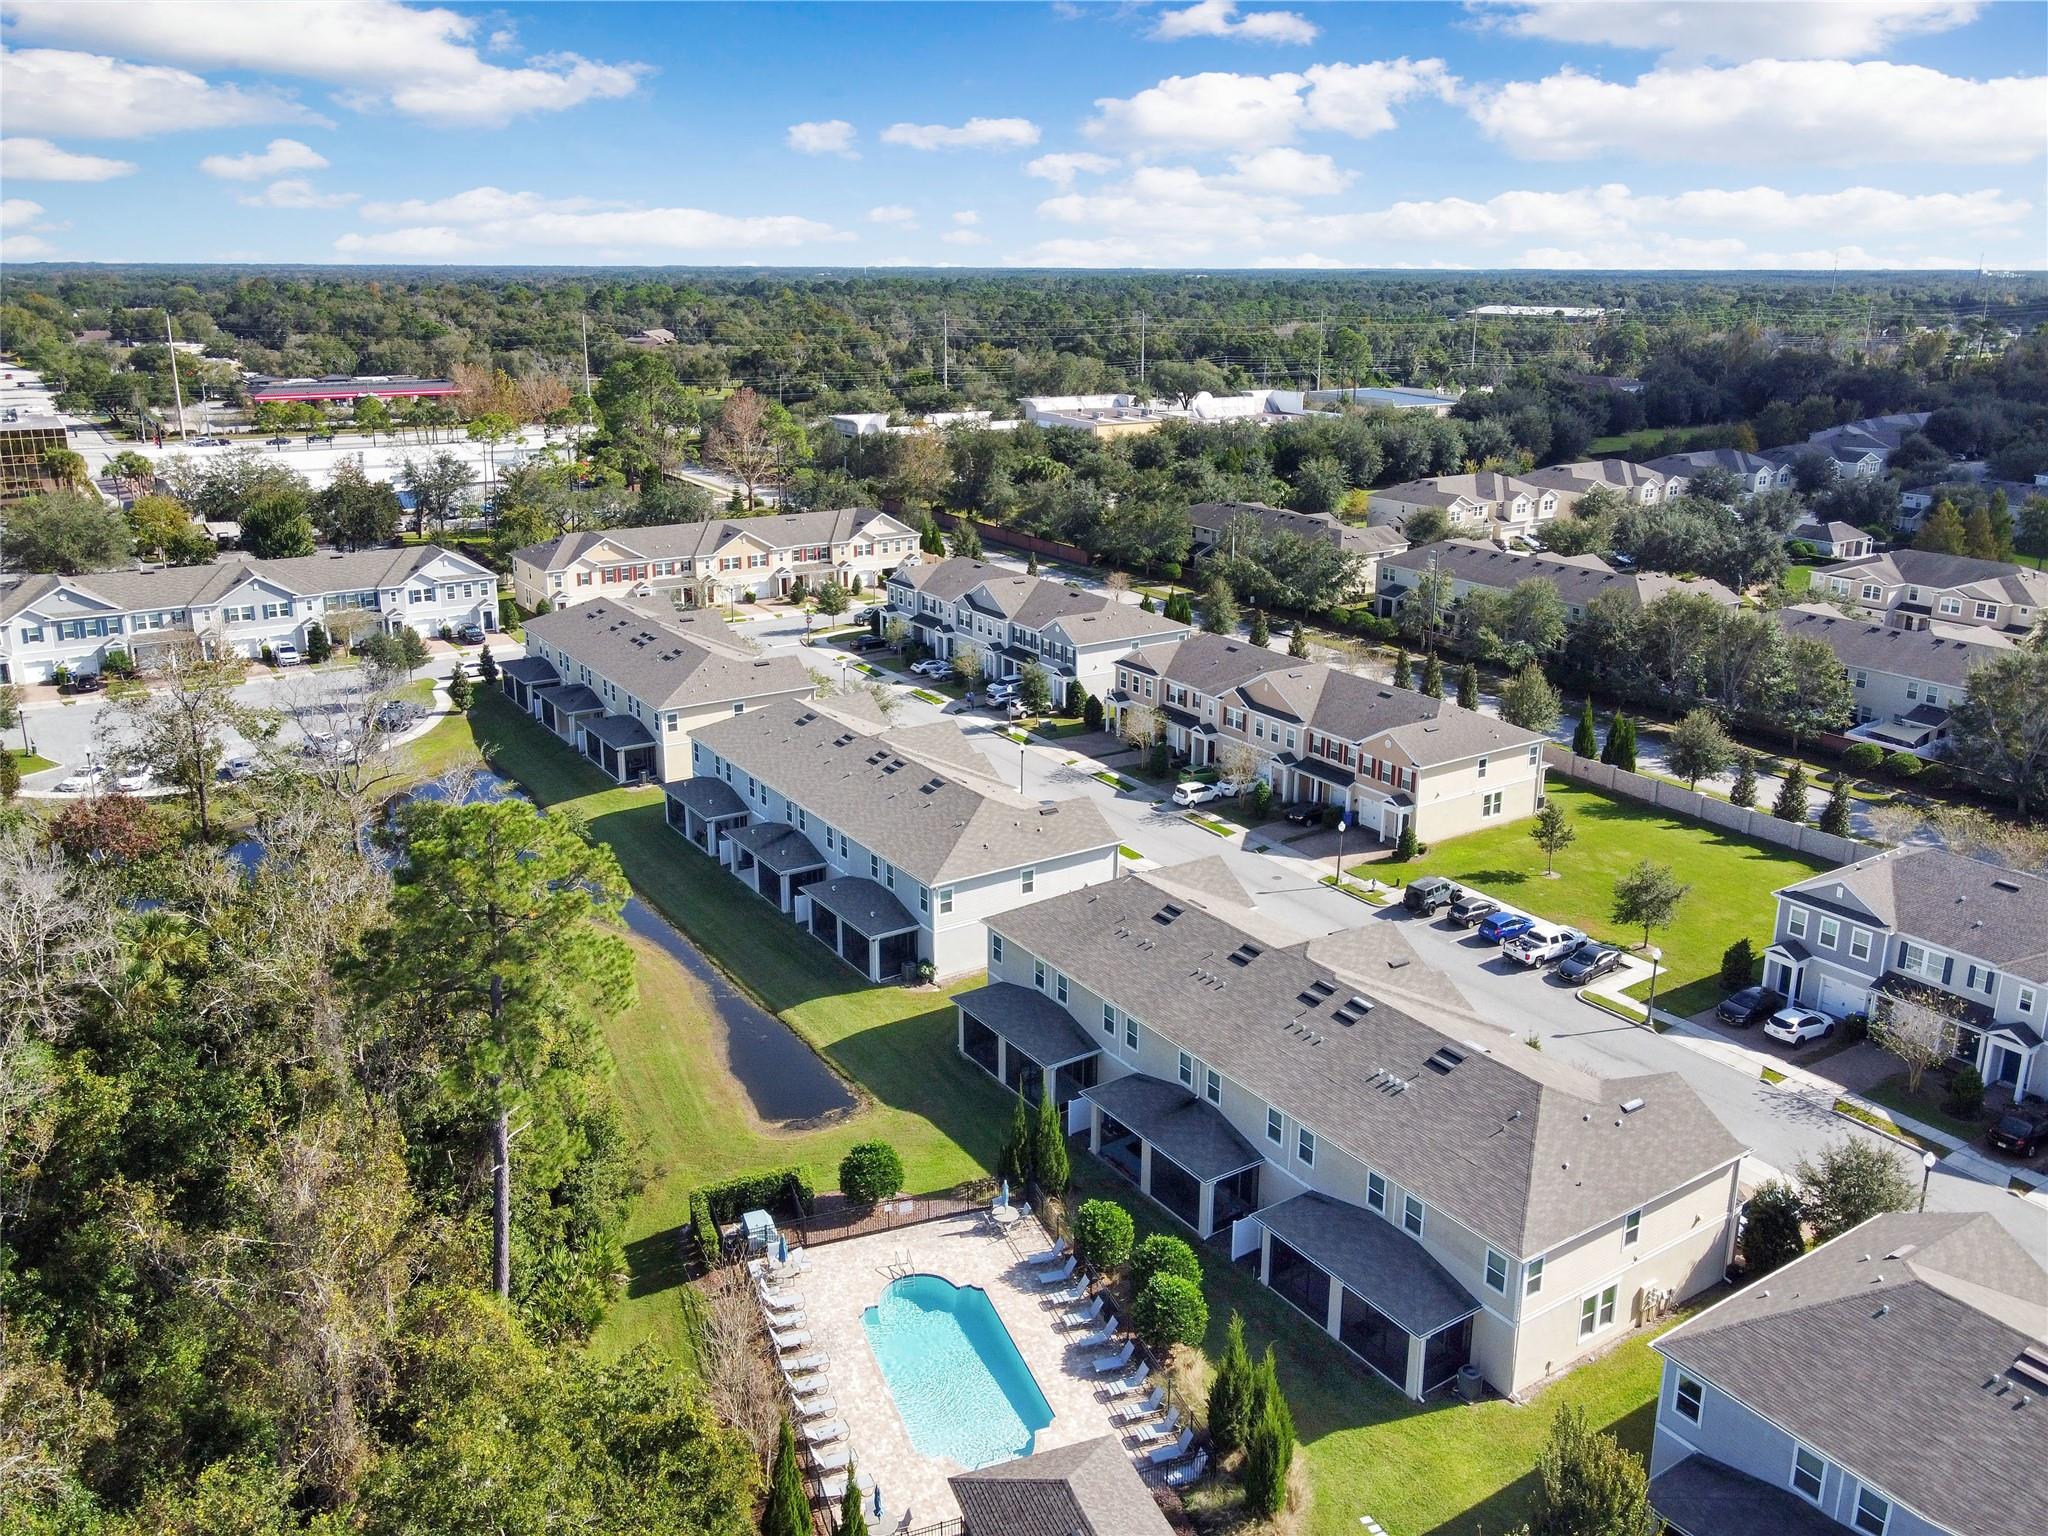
(1808, 1473)
(1950, 605)
(1305, 1147)
(1187, 1070)
(1130, 1033)
(1987, 610)
(1859, 943)
(1038, 974)
(1212, 1087)
(1275, 1127)
(945, 898)
(2025, 1001)
(1688, 1398)
(1029, 881)
(1496, 1271)
(1795, 922)
(995, 948)
(1490, 805)
(1873, 1509)
(1411, 1215)
(1532, 1278)
(1631, 1229)
(924, 899)
(1109, 1019)
(1596, 1311)
(1059, 985)
(1482, 768)
(1376, 1192)
(1830, 933)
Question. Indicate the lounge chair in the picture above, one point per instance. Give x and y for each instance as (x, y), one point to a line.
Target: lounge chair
(791, 1317)
(1052, 1255)
(1081, 1317)
(803, 1365)
(1173, 1452)
(1180, 1477)
(826, 1433)
(1073, 1291)
(832, 1486)
(1101, 1335)
(1144, 1408)
(802, 1387)
(821, 1406)
(1110, 1364)
(1132, 1382)
(1058, 1276)
(791, 1338)
(833, 1459)
(1147, 1433)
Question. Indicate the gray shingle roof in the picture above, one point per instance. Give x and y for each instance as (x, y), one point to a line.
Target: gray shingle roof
(572, 699)
(620, 731)
(1686, 465)
(1993, 580)
(886, 791)
(1086, 1489)
(1578, 578)
(674, 541)
(778, 845)
(712, 799)
(1885, 1351)
(1516, 1146)
(863, 904)
(1374, 1258)
(1035, 602)
(1180, 1126)
(1216, 516)
(1207, 663)
(1354, 708)
(1949, 900)
(1029, 1020)
(1878, 647)
(530, 670)
(1703, 1497)
(686, 661)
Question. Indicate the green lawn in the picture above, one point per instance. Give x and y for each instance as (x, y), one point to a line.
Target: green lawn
(1731, 877)
(29, 762)
(1927, 1106)
(1798, 578)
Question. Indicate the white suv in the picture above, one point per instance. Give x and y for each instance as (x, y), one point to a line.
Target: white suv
(1192, 794)
(1542, 944)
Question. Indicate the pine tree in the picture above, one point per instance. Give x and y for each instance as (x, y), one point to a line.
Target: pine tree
(1031, 563)
(1834, 817)
(1147, 604)
(1269, 1444)
(1297, 642)
(1791, 802)
(1015, 1162)
(1049, 1148)
(788, 1511)
(853, 1518)
(1230, 1392)
(1262, 630)
(1744, 791)
(460, 689)
(1613, 741)
(1586, 740)
(487, 667)
(1433, 677)
(1468, 687)
(1404, 671)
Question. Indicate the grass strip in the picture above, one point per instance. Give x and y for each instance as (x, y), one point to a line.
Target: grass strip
(1616, 1006)
(1773, 1076)
(1885, 1125)
(1128, 851)
(1113, 780)
(1356, 891)
(928, 696)
(1210, 824)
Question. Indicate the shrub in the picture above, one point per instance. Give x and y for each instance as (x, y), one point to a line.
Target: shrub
(870, 1173)
(268, 656)
(1933, 775)
(1903, 766)
(1965, 1096)
(1164, 1254)
(1262, 799)
(1791, 802)
(10, 776)
(1077, 698)
(318, 646)
(1016, 1160)
(759, 1192)
(460, 689)
(1743, 793)
(1406, 847)
(1102, 1235)
(118, 663)
(1169, 1310)
(1049, 1149)
(704, 1229)
(1850, 1182)
(1863, 757)
(111, 829)
(1588, 1483)
(1738, 964)
(1230, 1393)
(1771, 1235)
(1091, 713)
(1268, 1443)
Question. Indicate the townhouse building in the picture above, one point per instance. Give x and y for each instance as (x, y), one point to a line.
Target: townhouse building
(627, 686)
(1926, 925)
(1483, 505)
(1888, 1383)
(1923, 589)
(1483, 567)
(1636, 483)
(889, 845)
(1843, 458)
(1905, 680)
(1835, 540)
(1424, 1188)
(1877, 437)
(1013, 620)
(1753, 471)
(237, 605)
(719, 560)
(1387, 758)
(1212, 522)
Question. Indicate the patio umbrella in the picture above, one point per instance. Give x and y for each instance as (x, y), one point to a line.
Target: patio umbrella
(1005, 1200)
(781, 1248)
(878, 1501)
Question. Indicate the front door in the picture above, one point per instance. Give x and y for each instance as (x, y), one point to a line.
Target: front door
(2005, 1066)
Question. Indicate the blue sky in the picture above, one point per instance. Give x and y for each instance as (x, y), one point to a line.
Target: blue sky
(1580, 133)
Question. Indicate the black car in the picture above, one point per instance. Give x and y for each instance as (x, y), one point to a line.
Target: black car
(83, 682)
(1469, 911)
(398, 715)
(1750, 1006)
(866, 643)
(1305, 814)
(470, 634)
(280, 441)
(2022, 1135)
(1586, 962)
(1429, 894)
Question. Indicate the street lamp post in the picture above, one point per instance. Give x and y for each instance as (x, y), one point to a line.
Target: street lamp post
(1342, 824)
(1927, 1161)
(1656, 956)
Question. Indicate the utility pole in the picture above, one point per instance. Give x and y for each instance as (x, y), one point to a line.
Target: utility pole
(945, 350)
(1472, 364)
(1322, 346)
(1141, 349)
(586, 355)
(177, 393)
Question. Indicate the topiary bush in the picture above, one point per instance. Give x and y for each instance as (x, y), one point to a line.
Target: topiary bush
(1903, 766)
(1262, 799)
(1170, 1310)
(1738, 964)
(1103, 1231)
(870, 1173)
(1965, 1096)
(1164, 1254)
(1771, 1234)
(1864, 757)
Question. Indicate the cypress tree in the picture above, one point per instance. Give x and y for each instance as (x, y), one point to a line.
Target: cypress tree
(1297, 642)
(1262, 630)
(1835, 816)
(1586, 740)
(1049, 1149)
(1791, 802)
(853, 1519)
(1016, 1161)
(1625, 754)
(788, 1511)
(1744, 791)
(1269, 1444)
(1468, 687)
(1230, 1392)
(1613, 742)
(1404, 673)
(1433, 678)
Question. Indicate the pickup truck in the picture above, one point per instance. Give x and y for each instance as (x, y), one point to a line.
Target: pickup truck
(1542, 944)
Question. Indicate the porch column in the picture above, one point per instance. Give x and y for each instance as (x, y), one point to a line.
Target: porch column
(1094, 1128)
(1333, 1323)
(1047, 1075)
(874, 958)
(1265, 1257)
(1145, 1167)
(1205, 1209)
(1002, 1061)
(960, 1032)
(1411, 1383)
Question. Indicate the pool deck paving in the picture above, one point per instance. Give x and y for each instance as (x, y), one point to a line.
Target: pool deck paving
(846, 1278)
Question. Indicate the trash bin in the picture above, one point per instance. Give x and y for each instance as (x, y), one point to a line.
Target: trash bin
(1471, 1385)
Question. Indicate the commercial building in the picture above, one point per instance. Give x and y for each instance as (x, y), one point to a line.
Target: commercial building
(340, 389)
(24, 443)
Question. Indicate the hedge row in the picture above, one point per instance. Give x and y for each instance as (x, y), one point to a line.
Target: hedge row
(716, 1204)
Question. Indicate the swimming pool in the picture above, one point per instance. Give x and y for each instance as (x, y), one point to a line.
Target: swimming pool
(962, 1388)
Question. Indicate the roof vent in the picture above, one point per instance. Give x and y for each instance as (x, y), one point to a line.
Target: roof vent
(1245, 954)
(2031, 1367)
(2006, 885)
(1315, 994)
(1443, 1059)
(1166, 914)
(1630, 1106)
(1354, 1008)
(1901, 1251)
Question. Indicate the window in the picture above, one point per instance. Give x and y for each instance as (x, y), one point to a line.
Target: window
(1275, 1125)
(1873, 1509)
(1631, 1229)
(1987, 610)
(1807, 1469)
(1305, 1147)
(1490, 805)
(1532, 1278)
(1859, 943)
(995, 949)
(1038, 974)
(1212, 1087)
(1059, 985)
(1496, 1271)
(1187, 1070)
(1795, 922)
(1029, 881)
(1688, 1398)
(1130, 1033)
(2025, 1001)
(946, 898)
(1109, 1019)
(1411, 1215)
(924, 899)
(1830, 932)
(1951, 605)
(1596, 1312)
(1482, 767)
(874, 866)
(1376, 1192)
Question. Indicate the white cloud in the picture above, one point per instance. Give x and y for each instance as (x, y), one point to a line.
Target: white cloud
(492, 220)
(1222, 110)
(91, 96)
(24, 218)
(1819, 112)
(975, 133)
(966, 216)
(831, 137)
(1290, 172)
(1219, 18)
(24, 248)
(279, 156)
(964, 237)
(296, 192)
(1061, 169)
(894, 213)
(40, 160)
(1734, 30)
(18, 212)
(1305, 261)
(420, 62)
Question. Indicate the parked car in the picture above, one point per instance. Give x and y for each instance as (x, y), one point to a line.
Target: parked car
(1541, 943)
(866, 643)
(1305, 814)
(931, 666)
(280, 441)
(397, 715)
(1429, 894)
(1192, 794)
(83, 782)
(1232, 789)
(236, 769)
(470, 634)
(285, 654)
(1796, 1026)
(1015, 710)
(1586, 962)
(209, 442)
(1499, 927)
(83, 682)
(999, 693)
(1749, 1006)
(2021, 1134)
(134, 781)
(1469, 911)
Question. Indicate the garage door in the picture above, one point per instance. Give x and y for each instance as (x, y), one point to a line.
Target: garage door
(1839, 997)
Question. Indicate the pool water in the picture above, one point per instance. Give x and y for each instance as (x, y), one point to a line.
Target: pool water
(964, 1392)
